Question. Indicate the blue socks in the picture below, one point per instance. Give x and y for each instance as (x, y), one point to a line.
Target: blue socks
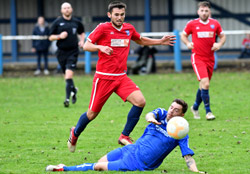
(202, 95)
(205, 99)
(81, 124)
(132, 119)
(198, 100)
(82, 167)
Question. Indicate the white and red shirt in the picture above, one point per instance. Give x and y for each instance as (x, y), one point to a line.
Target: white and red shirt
(203, 35)
(114, 65)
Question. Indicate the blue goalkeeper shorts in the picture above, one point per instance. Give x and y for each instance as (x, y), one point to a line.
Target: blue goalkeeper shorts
(123, 159)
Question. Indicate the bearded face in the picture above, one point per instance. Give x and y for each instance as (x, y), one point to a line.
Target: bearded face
(204, 13)
(117, 17)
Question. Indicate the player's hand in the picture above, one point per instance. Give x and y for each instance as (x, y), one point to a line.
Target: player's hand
(216, 46)
(63, 35)
(190, 45)
(107, 50)
(168, 40)
(153, 120)
(81, 43)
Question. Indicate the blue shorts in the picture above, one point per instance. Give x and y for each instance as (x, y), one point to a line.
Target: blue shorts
(123, 159)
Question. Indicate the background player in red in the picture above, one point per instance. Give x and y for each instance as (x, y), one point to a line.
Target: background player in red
(112, 41)
(203, 45)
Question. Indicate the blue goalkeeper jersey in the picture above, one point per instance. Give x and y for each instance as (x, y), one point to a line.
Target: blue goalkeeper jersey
(155, 143)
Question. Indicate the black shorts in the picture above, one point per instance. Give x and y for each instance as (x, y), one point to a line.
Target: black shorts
(67, 59)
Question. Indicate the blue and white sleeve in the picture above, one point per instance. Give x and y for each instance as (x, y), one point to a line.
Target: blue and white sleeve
(184, 146)
(159, 113)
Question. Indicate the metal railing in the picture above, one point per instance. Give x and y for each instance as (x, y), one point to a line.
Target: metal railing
(177, 45)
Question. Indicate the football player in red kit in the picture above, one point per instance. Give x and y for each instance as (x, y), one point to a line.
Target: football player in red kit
(112, 41)
(203, 30)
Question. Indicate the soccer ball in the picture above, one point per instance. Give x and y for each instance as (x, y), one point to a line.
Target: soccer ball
(177, 127)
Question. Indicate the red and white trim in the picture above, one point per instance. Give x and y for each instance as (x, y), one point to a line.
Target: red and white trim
(195, 67)
(93, 97)
(110, 74)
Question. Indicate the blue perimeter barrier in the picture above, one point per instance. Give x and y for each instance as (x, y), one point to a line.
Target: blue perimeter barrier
(177, 55)
(87, 58)
(177, 52)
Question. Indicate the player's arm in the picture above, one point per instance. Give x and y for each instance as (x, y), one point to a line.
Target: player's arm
(82, 38)
(150, 117)
(89, 46)
(165, 40)
(218, 45)
(184, 39)
(191, 164)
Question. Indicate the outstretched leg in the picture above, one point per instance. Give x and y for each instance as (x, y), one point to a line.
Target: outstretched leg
(82, 167)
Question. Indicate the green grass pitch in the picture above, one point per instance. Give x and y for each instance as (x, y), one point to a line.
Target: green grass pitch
(34, 125)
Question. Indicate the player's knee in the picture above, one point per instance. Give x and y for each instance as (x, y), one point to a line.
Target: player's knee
(92, 115)
(101, 166)
(141, 102)
(98, 167)
(205, 85)
(68, 74)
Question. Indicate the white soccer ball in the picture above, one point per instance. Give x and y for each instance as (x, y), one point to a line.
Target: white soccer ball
(177, 127)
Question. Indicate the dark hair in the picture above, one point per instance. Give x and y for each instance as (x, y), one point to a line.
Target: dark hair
(182, 103)
(116, 4)
(204, 4)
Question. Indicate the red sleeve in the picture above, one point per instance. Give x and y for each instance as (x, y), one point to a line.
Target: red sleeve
(96, 34)
(219, 29)
(188, 28)
(136, 35)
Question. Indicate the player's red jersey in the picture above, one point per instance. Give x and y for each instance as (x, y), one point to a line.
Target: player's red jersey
(114, 65)
(203, 35)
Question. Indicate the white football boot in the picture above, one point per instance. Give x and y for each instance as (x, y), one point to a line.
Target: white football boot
(210, 116)
(195, 113)
(53, 168)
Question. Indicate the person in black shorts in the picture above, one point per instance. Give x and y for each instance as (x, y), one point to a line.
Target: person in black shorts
(65, 30)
